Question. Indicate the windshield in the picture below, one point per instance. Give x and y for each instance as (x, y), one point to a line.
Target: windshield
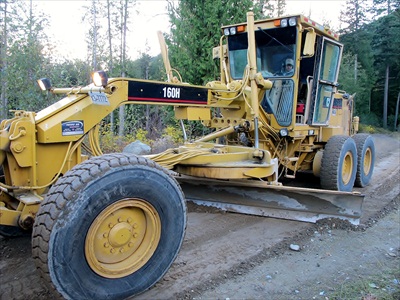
(275, 52)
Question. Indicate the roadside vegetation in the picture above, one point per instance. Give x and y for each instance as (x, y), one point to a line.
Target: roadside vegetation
(383, 286)
(370, 69)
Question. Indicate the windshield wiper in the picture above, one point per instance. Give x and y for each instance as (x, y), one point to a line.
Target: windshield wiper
(263, 31)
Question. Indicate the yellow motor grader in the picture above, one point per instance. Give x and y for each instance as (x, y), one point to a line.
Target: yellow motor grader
(109, 226)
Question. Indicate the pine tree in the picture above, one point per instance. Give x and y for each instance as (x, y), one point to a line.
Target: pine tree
(386, 45)
(354, 16)
(26, 56)
(384, 7)
(196, 30)
(281, 6)
(359, 86)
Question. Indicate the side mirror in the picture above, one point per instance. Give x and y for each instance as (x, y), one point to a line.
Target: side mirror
(309, 43)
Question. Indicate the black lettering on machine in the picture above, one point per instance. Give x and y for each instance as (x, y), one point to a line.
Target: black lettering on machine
(99, 98)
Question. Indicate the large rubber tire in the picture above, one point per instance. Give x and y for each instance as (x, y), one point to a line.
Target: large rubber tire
(105, 204)
(366, 158)
(339, 164)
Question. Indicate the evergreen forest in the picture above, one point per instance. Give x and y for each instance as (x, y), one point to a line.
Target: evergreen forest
(370, 69)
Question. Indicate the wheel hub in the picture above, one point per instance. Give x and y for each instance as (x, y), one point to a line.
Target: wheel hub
(367, 161)
(122, 238)
(120, 234)
(347, 168)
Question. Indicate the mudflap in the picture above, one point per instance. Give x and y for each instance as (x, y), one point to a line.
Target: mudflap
(283, 202)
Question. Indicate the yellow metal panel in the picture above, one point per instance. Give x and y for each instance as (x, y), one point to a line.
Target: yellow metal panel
(260, 172)
(49, 122)
(327, 132)
(193, 113)
(8, 216)
(48, 168)
(20, 176)
(226, 173)
(22, 139)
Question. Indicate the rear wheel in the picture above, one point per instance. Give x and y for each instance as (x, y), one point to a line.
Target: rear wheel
(366, 158)
(339, 164)
(109, 229)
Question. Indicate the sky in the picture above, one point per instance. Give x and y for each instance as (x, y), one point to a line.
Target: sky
(68, 32)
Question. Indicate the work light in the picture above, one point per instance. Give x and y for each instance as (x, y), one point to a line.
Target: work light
(44, 84)
(100, 78)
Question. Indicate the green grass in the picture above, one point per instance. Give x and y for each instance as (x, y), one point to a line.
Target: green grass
(385, 286)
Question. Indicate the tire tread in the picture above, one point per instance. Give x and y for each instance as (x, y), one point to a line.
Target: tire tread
(65, 188)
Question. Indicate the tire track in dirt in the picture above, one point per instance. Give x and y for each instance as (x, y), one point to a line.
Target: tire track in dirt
(216, 256)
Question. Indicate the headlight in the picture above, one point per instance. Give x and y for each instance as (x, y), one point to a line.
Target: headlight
(292, 22)
(230, 31)
(283, 132)
(44, 84)
(284, 23)
(100, 78)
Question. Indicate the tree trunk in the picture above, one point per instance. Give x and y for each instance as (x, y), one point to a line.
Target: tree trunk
(110, 64)
(121, 120)
(124, 28)
(4, 81)
(146, 76)
(396, 115)
(355, 68)
(94, 36)
(123, 50)
(385, 98)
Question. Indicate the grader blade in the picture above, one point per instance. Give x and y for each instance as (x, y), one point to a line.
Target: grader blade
(283, 202)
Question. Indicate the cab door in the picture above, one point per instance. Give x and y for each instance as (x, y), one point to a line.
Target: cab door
(325, 81)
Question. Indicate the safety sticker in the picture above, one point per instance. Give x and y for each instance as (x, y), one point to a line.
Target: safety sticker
(72, 127)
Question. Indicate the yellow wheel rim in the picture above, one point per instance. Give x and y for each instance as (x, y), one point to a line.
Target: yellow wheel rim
(347, 168)
(122, 238)
(367, 161)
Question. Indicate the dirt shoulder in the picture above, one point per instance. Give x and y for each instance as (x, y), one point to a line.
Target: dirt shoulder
(329, 261)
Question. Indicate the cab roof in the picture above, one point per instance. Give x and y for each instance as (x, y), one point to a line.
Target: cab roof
(304, 21)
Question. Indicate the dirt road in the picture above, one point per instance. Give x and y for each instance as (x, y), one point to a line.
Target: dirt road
(233, 256)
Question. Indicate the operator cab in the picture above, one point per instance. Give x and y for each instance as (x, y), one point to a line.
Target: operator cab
(301, 62)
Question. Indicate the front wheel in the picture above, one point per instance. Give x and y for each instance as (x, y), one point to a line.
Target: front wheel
(110, 228)
(339, 164)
